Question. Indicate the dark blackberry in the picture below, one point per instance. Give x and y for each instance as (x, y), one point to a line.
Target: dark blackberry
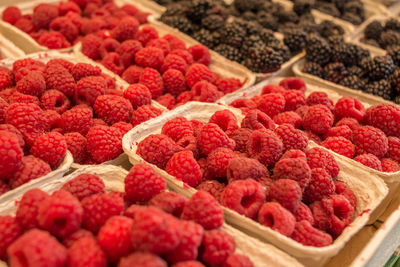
(295, 40)
(175, 9)
(335, 40)
(246, 5)
(352, 18)
(164, 2)
(313, 69)
(379, 67)
(389, 38)
(302, 7)
(394, 53)
(248, 15)
(287, 16)
(318, 50)
(373, 30)
(268, 21)
(310, 27)
(306, 18)
(280, 48)
(205, 37)
(229, 52)
(395, 80)
(179, 22)
(219, 8)
(250, 42)
(251, 27)
(392, 24)
(354, 7)
(263, 59)
(233, 34)
(267, 36)
(197, 9)
(329, 28)
(335, 72)
(355, 70)
(382, 88)
(396, 99)
(213, 22)
(353, 82)
(346, 53)
(327, 8)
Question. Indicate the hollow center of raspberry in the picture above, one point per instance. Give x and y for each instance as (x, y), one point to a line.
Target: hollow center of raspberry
(21, 258)
(340, 212)
(59, 223)
(59, 103)
(269, 220)
(247, 201)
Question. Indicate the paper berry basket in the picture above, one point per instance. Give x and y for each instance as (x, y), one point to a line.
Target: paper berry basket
(113, 177)
(369, 189)
(8, 49)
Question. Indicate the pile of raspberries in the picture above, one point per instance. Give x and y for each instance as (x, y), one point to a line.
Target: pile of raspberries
(369, 136)
(60, 26)
(261, 171)
(178, 74)
(83, 224)
(46, 109)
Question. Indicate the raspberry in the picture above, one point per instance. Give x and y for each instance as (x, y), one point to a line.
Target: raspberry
(184, 98)
(4, 188)
(72, 238)
(138, 95)
(96, 122)
(43, 14)
(368, 139)
(291, 138)
(113, 108)
(241, 168)
(53, 40)
(127, 51)
(169, 202)
(340, 145)
(322, 98)
(10, 128)
(65, 7)
(272, 88)
(340, 131)
(294, 153)
(161, 44)
(318, 119)
(369, 160)
(32, 84)
(217, 247)
(123, 127)
(86, 252)
(389, 165)
(82, 70)
(198, 72)
(293, 168)
(200, 54)
(142, 259)
(51, 148)
(228, 85)
(349, 107)
(340, 213)
(89, 88)
(146, 34)
(241, 136)
(109, 45)
(313, 137)
(174, 82)
(29, 169)
(10, 231)
(55, 100)
(112, 61)
(77, 120)
(104, 143)
(244, 196)
(150, 57)
(6, 80)
(183, 53)
(17, 97)
(66, 27)
(394, 148)
(237, 260)
(76, 144)
(342, 189)
(225, 119)
(37, 248)
(303, 212)
(320, 186)
(218, 161)
(84, 185)
(274, 216)
(175, 43)
(320, 158)
(174, 62)
(271, 104)
(183, 166)
(11, 14)
(153, 80)
(167, 100)
(25, 25)
(212, 187)
(265, 146)
(307, 235)
(131, 74)
(293, 83)
(293, 100)
(191, 237)
(153, 146)
(301, 111)
(287, 193)
(155, 231)
(257, 120)
(177, 128)
(204, 91)
(126, 29)
(91, 46)
(52, 120)
(188, 264)
(288, 117)
(22, 72)
(60, 79)
(385, 117)
(211, 137)
(11, 154)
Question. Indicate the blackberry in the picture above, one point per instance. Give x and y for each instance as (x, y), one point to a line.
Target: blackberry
(313, 69)
(381, 88)
(373, 30)
(354, 7)
(378, 67)
(213, 22)
(267, 36)
(355, 70)
(392, 24)
(352, 18)
(251, 27)
(233, 34)
(395, 80)
(347, 53)
(175, 10)
(397, 100)
(179, 22)
(353, 82)
(328, 8)
(389, 38)
(329, 28)
(263, 59)
(302, 7)
(197, 9)
(287, 16)
(335, 40)
(306, 18)
(280, 48)
(246, 5)
(335, 72)
(250, 42)
(295, 40)
(268, 22)
(205, 37)
(318, 50)
(310, 27)
(229, 52)
(248, 15)
(394, 53)
(164, 2)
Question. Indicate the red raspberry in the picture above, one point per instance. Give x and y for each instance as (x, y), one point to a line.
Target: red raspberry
(37, 248)
(123, 127)
(25, 25)
(96, 122)
(389, 165)
(82, 70)
(29, 169)
(218, 161)
(142, 259)
(241, 136)
(126, 29)
(11, 14)
(161, 44)
(217, 247)
(144, 113)
(183, 166)
(4, 187)
(349, 107)
(385, 117)
(244, 196)
(11, 154)
(51, 148)
(342, 189)
(72, 238)
(237, 260)
(157, 149)
(6, 80)
(153, 80)
(65, 7)
(211, 137)
(225, 119)
(293, 100)
(89, 88)
(142, 183)
(340, 145)
(169, 202)
(184, 98)
(307, 235)
(155, 231)
(301, 111)
(228, 85)
(127, 51)
(394, 148)
(131, 74)
(146, 34)
(21, 63)
(291, 138)
(369, 160)
(91, 46)
(271, 104)
(294, 169)
(288, 117)
(183, 53)
(340, 131)
(321, 158)
(294, 153)
(61, 214)
(318, 119)
(112, 61)
(174, 82)
(104, 143)
(340, 213)
(43, 14)
(22, 72)
(293, 83)
(188, 264)
(320, 186)
(167, 101)
(10, 231)
(138, 95)
(175, 43)
(66, 27)
(10, 128)
(177, 128)
(150, 57)
(32, 84)
(204, 91)
(55, 100)
(212, 187)
(113, 108)
(265, 146)
(274, 216)
(203, 209)
(60, 79)
(368, 139)
(86, 252)
(303, 212)
(174, 62)
(322, 98)
(77, 120)
(241, 168)
(272, 88)
(52, 120)
(17, 97)
(76, 144)
(53, 40)
(191, 237)
(84, 185)
(109, 45)
(200, 54)
(198, 72)
(287, 193)
(257, 120)
(131, 211)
